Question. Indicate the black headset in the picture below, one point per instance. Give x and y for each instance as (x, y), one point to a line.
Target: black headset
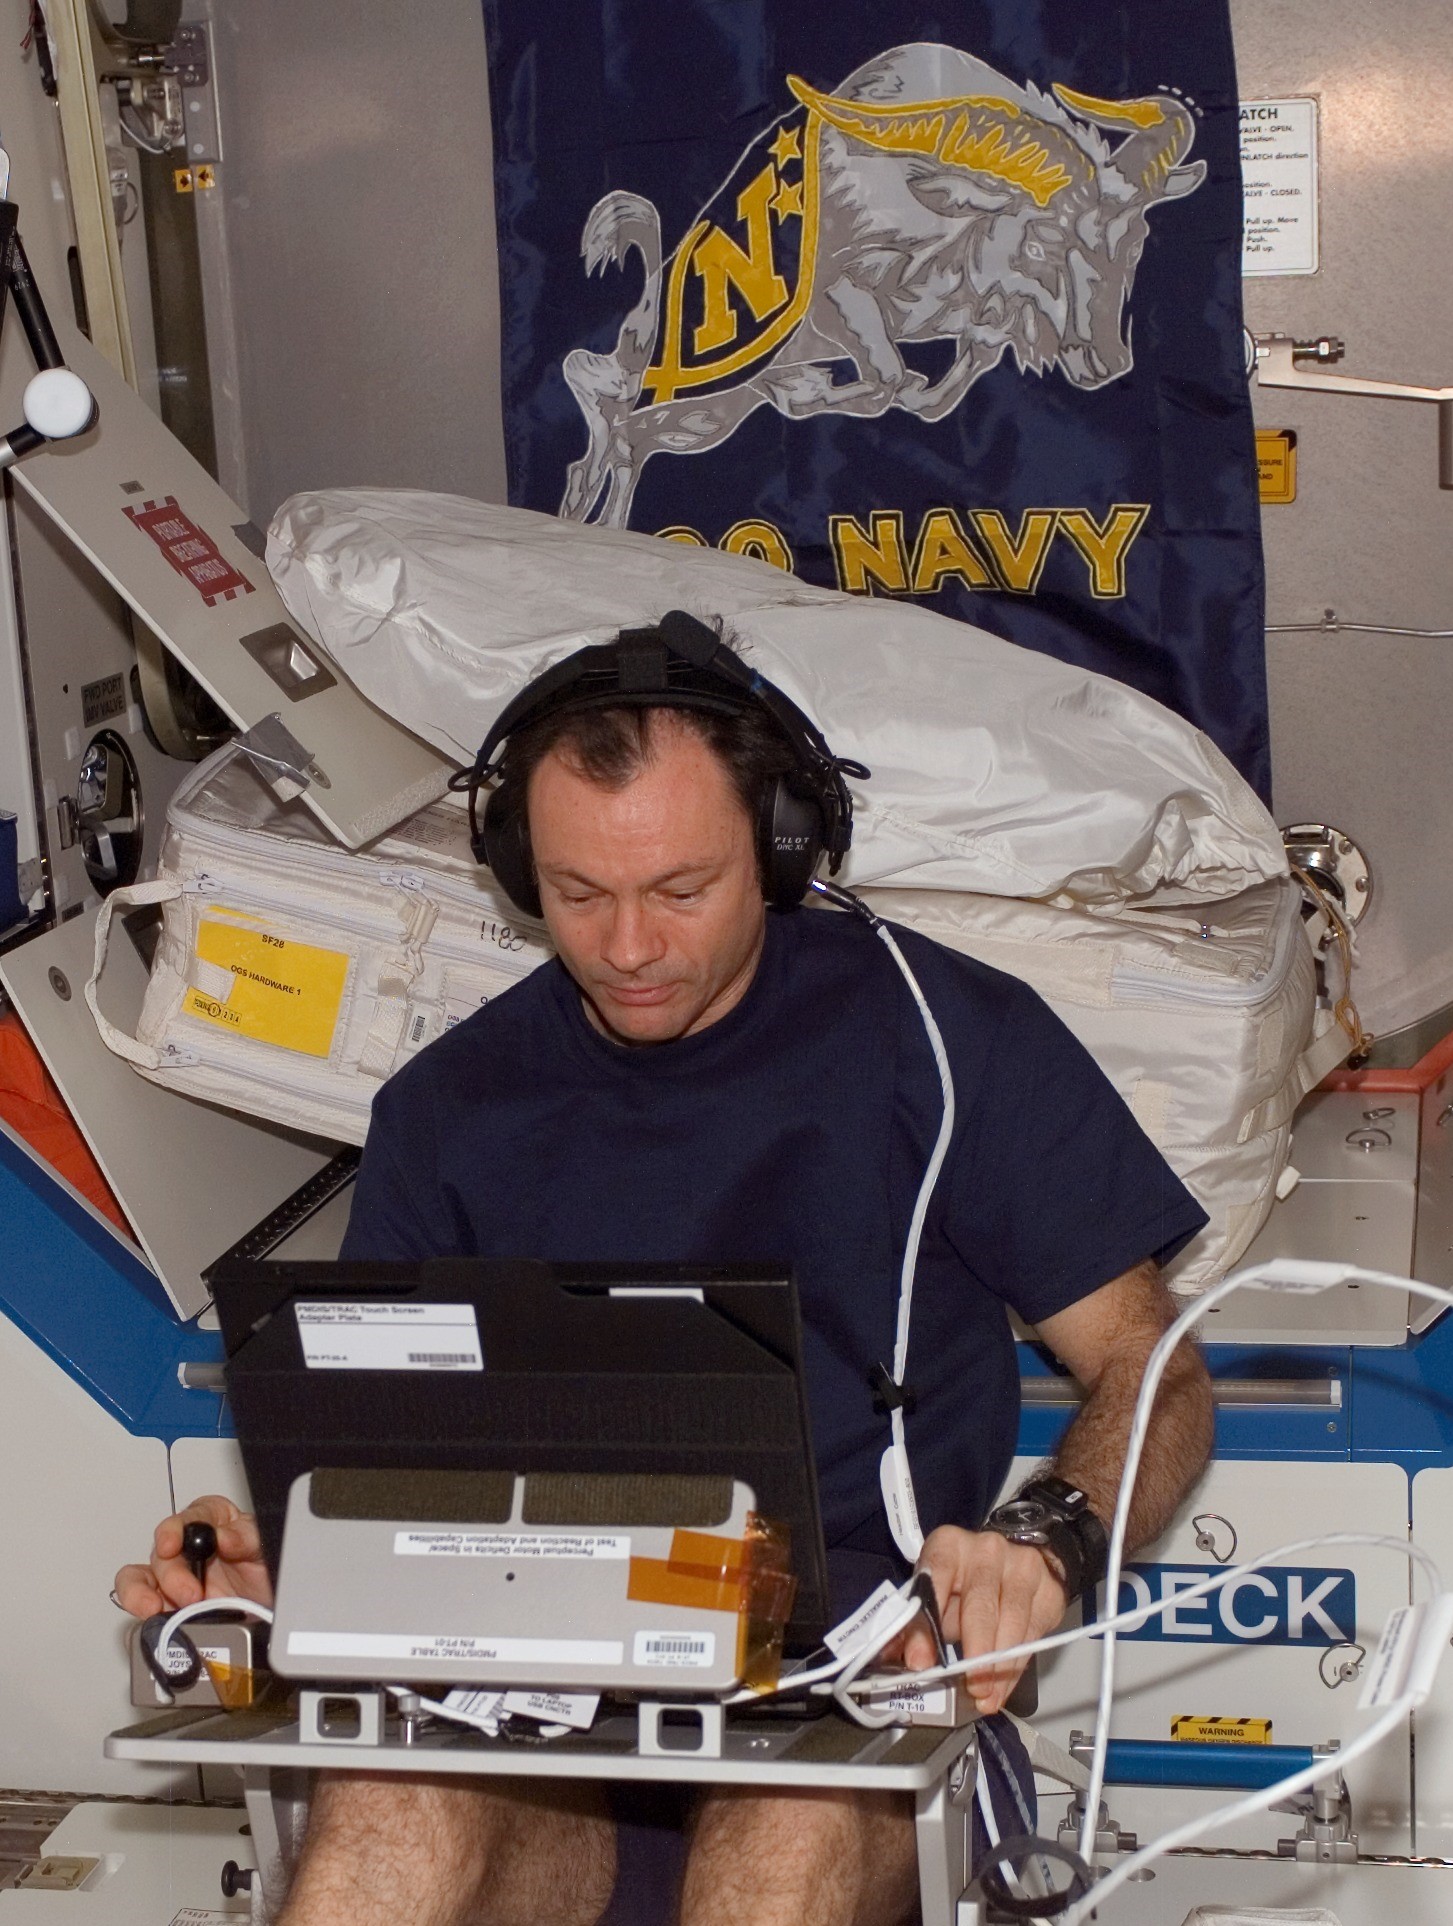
(679, 664)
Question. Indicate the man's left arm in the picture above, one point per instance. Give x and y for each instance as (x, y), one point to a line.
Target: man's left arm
(993, 1593)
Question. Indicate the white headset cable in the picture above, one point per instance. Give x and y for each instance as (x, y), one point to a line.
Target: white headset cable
(894, 1473)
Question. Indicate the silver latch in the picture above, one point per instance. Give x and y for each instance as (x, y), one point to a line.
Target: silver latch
(283, 763)
(1326, 1836)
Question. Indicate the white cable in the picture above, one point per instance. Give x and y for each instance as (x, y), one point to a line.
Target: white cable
(1134, 1616)
(1290, 1274)
(897, 1478)
(894, 1472)
(985, 1801)
(871, 1646)
(184, 1612)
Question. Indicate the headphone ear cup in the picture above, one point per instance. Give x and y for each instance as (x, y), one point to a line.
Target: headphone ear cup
(789, 843)
(505, 846)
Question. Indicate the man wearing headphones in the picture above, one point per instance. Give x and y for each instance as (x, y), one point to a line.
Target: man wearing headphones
(710, 1072)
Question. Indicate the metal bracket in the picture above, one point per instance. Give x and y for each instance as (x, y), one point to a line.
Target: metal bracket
(1109, 1838)
(1326, 1836)
(1280, 363)
(700, 1723)
(340, 1718)
(282, 761)
(190, 58)
(1334, 862)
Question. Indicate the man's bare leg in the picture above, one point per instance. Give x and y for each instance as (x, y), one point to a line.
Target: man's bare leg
(387, 1851)
(801, 1859)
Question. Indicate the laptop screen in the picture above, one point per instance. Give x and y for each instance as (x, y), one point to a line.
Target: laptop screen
(617, 1373)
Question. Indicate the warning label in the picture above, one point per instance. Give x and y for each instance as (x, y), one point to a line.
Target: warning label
(1216, 1730)
(190, 552)
(1276, 464)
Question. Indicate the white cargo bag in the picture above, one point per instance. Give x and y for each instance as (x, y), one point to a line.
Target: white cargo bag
(1201, 1017)
(1260, 1916)
(995, 768)
(292, 976)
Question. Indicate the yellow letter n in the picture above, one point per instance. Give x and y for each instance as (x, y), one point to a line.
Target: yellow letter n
(751, 271)
(864, 559)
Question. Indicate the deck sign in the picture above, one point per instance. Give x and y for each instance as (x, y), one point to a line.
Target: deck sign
(1279, 187)
(1282, 1605)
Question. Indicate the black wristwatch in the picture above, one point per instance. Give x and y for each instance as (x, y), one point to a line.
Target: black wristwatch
(1055, 1516)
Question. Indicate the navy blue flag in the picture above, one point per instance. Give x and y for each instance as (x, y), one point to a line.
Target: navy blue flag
(933, 303)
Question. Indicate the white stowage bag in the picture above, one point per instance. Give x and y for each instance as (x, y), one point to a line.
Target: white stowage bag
(292, 976)
(1046, 820)
(995, 768)
(1200, 1017)
(1260, 1916)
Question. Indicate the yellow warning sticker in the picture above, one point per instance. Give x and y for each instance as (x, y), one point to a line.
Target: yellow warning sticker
(1276, 464)
(1221, 1731)
(267, 987)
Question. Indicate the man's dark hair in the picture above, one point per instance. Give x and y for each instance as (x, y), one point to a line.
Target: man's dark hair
(612, 745)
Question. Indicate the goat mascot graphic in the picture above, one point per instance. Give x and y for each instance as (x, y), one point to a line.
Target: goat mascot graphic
(928, 200)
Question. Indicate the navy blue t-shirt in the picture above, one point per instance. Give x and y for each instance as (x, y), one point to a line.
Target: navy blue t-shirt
(795, 1131)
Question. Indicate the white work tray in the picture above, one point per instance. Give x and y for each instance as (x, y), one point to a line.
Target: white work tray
(827, 1751)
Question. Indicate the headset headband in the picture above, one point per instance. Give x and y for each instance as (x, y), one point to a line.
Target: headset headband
(678, 664)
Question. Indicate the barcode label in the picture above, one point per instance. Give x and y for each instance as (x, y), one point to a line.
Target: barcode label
(691, 1649)
(388, 1335)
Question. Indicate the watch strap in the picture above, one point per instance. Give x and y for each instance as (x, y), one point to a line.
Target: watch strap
(1056, 1516)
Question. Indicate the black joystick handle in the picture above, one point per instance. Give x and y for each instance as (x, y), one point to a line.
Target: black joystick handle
(199, 1548)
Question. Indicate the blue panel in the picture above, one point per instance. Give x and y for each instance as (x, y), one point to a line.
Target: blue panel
(12, 909)
(1256, 1431)
(96, 1309)
(1404, 1401)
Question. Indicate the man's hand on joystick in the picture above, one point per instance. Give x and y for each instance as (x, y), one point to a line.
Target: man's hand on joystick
(210, 1550)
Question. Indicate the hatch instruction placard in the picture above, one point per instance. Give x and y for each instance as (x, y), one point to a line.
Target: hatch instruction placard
(1279, 187)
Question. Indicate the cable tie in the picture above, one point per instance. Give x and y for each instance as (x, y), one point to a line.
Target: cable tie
(889, 1394)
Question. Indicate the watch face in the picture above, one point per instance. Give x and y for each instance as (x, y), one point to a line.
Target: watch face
(1029, 1514)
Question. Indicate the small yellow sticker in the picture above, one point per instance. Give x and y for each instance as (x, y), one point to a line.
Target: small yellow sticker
(1220, 1731)
(269, 988)
(1276, 464)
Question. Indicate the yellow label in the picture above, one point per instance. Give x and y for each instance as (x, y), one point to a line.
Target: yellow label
(279, 991)
(1276, 464)
(1219, 1731)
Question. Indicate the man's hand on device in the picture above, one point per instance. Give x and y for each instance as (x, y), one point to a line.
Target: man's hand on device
(991, 1594)
(237, 1571)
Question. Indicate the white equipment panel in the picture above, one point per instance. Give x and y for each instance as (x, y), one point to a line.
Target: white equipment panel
(192, 575)
(191, 1178)
(1433, 1726)
(1357, 1202)
(1294, 1894)
(79, 1498)
(158, 1866)
(1196, 1674)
